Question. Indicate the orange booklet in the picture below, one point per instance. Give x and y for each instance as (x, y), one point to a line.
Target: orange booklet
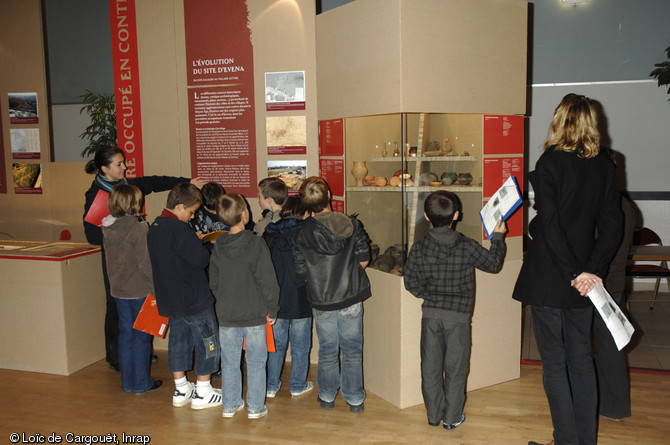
(149, 321)
(98, 209)
(212, 236)
(269, 338)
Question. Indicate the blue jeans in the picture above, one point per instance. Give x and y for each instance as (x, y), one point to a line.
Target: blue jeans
(197, 332)
(564, 341)
(343, 330)
(299, 331)
(231, 374)
(134, 348)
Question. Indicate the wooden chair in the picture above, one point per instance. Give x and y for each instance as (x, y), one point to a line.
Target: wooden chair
(645, 237)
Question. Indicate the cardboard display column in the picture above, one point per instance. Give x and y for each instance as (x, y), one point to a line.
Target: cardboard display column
(377, 60)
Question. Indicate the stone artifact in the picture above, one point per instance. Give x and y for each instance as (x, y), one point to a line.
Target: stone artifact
(384, 262)
(427, 177)
(449, 178)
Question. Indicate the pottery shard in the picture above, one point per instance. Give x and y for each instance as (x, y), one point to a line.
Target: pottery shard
(380, 181)
(395, 181)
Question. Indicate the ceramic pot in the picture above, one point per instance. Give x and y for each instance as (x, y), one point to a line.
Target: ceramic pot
(464, 178)
(359, 171)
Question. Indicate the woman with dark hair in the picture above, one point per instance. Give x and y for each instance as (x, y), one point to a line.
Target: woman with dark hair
(109, 167)
(575, 197)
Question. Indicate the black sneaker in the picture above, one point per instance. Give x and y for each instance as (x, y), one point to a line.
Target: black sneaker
(157, 384)
(356, 408)
(324, 404)
(115, 368)
(451, 426)
(154, 358)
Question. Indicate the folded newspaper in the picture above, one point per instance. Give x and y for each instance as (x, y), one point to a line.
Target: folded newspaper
(501, 205)
(614, 319)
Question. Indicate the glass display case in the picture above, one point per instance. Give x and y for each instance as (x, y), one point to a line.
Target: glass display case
(394, 161)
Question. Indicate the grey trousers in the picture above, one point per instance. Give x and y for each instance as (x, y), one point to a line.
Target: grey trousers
(445, 360)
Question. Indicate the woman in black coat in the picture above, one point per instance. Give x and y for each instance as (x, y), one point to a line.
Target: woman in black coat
(575, 198)
(109, 167)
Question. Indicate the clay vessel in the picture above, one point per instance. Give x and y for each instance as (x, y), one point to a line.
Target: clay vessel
(464, 178)
(359, 171)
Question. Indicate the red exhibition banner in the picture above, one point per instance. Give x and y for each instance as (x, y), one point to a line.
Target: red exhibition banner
(503, 134)
(332, 171)
(127, 84)
(337, 205)
(331, 137)
(220, 78)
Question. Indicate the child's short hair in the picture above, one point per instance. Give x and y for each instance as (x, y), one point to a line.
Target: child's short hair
(184, 193)
(274, 188)
(292, 207)
(440, 207)
(125, 199)
(211, 192)
(314, 194)
(230, 208)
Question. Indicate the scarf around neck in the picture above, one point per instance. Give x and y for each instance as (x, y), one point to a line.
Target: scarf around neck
(107, 185)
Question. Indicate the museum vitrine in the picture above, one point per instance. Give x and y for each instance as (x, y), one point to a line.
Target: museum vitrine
(394, 161)
(416, 99)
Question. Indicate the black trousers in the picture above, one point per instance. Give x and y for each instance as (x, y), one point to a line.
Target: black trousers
(611, 371)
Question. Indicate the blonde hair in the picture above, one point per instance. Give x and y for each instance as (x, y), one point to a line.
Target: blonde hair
(125, 199)
(574, 127)
(314, 194)
(230, 208)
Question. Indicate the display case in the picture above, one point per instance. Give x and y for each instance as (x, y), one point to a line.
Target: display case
(405, 157)
(392, 72)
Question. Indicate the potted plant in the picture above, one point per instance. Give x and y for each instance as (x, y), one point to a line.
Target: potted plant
(662, 71)
(102, 130)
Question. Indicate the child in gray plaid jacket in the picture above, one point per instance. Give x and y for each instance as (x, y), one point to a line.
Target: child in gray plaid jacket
(440, 270)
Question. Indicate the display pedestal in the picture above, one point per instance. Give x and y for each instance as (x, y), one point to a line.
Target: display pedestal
(392, 332)
(52, 307)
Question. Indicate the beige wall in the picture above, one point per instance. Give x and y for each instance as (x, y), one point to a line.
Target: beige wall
(457, 56)
(23, 62)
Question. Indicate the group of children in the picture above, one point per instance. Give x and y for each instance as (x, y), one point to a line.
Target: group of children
(307, 262)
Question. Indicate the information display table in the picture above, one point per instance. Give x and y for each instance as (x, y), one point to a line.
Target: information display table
(52, 306)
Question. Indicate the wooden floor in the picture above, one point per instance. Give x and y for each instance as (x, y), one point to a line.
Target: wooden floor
(90, 402)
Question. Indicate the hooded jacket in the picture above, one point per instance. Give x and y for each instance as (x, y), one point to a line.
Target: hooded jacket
(293, 295)
(243, 280)
(127, 256)
(440, 270)
(327, 253)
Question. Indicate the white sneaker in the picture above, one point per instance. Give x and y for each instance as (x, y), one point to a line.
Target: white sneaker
(270, 394)
(211, 400)
(229, 413)
(180, 399)
(257, 414)
(308, 387)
